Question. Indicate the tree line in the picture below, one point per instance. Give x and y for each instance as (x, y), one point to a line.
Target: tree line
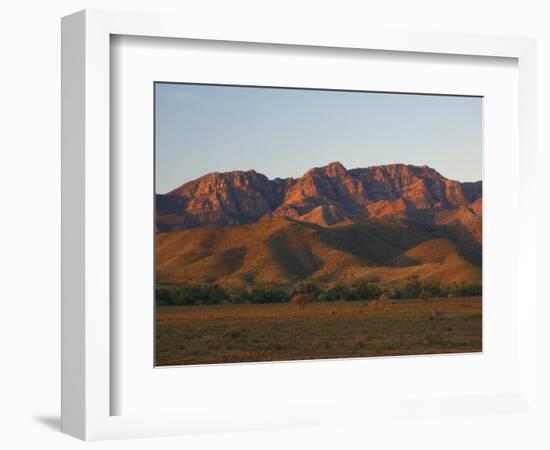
(212, 294)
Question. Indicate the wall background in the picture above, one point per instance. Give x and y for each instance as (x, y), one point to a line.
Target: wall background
(29, 226)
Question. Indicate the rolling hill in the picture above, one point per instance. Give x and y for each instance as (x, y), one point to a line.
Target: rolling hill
(283, 251)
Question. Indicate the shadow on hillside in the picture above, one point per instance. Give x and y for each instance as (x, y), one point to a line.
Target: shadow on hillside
(467, 244)
(384, 243)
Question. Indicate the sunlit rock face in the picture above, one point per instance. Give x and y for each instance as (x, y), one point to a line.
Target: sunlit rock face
(326, 195)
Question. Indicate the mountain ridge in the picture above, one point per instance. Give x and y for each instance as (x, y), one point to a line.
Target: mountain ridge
(325, 195)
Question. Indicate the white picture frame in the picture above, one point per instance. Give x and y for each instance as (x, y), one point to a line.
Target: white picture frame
(87, 386)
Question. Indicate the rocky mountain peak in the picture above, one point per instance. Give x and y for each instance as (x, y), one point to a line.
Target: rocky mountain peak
(335, 169)
(241, 197)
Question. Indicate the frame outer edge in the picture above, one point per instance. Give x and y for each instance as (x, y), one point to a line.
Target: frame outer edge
(527, 165)
(97, 389)
(73, 82)
(85, 151)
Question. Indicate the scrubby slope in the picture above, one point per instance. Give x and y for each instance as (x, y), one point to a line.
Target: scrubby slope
(283, 251)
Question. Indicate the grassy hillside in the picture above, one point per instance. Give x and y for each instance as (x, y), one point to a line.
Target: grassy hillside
(282, 251)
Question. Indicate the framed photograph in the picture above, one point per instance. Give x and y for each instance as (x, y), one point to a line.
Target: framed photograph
(315, 260)
(266, 228)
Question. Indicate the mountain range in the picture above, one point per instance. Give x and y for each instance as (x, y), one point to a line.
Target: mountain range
(383, 223)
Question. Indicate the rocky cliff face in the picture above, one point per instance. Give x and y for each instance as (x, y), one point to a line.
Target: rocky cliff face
(327, 195)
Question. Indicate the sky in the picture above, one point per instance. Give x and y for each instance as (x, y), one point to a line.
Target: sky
(285, 132)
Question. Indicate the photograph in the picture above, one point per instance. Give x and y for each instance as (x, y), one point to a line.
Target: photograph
(299, 224)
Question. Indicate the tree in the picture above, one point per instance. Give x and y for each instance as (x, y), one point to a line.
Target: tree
(269, 295)
(302, 299)
(239, 296)
(365, 291)
(336, 293)
(309, 289)
(411, 289)
(163, 297)
(425, 295)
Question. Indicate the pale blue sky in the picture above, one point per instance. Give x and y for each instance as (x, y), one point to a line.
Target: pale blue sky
(285, 132)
